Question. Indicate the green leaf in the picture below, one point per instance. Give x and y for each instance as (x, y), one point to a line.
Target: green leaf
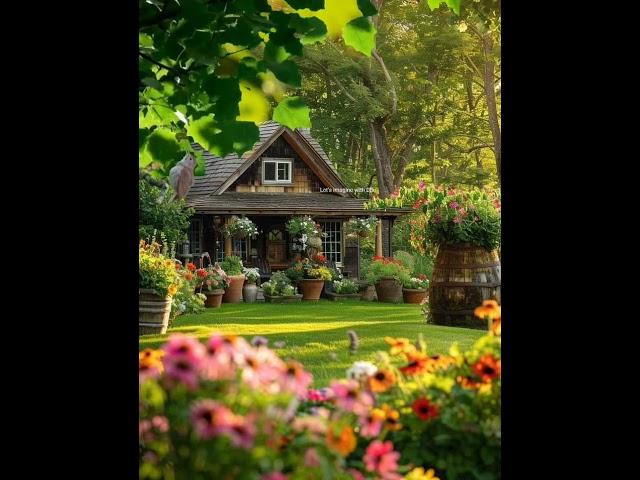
(275, 52)
(310, 4)
(225, 92)
(200, 165)
(286, 72)
(163, 147)
(224, 138)
(360, 34)
(367, 8)
(453, 4)
(312, 29)
(292, 112)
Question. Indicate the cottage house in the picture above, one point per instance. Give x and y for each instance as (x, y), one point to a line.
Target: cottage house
(285, 174)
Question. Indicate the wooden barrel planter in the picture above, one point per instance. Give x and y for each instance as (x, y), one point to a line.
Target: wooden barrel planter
(214, 298)
(153, 312)
(463, 277)
(414, 295)
(233, 293)
(389, 290)
(311, 288)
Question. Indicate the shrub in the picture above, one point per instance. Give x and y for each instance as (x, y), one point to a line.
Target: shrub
(156, 271)
(423, 264)
(232, 265)
(386, 267)
(278, 284)
(346, 287)
(406, 258)
(158, 211)
(295, 272)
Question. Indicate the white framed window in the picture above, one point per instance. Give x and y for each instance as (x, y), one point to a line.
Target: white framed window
(276, 170)
(332, 242)
(195, 236)
(239, 246)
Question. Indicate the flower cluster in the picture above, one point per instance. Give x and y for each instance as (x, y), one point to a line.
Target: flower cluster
(345, 287)
(279, 285)
(313, 268)
(251, 274)
(384, 267)
(211, 278)
(156, 271)
(418, 282)
(186, 299)
(305, 225)
(361, 227)
(240, 226)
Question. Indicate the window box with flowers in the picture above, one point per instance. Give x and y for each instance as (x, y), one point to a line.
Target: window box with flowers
(414, 290)
(158, 281)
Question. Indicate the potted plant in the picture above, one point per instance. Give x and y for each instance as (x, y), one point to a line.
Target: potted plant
(212, 282)
(414, 289)
(361, 227)
(250, 289)
(188, 298)
(388, 276)
(343, 289)
(308, 233)
(279, 289)
(158, 281)
(336, 276)
(232, 266)
(240, 227)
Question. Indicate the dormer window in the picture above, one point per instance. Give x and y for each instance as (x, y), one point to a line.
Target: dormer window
(276, 170)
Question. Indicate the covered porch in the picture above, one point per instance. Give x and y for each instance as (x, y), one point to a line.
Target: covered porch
(274, 248)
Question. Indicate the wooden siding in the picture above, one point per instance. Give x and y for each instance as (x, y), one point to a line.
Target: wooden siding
(304, 180)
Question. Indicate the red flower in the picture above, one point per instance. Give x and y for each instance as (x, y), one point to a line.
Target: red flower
(377, 258)
(422, 276)
(424, 409)
(191, 266)
(202, 273)
(487, 368)
(418, 363)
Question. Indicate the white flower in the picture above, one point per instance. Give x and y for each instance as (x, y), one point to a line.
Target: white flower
(361, 370)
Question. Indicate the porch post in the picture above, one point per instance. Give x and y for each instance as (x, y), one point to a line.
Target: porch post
(228, 247)
(379, 238)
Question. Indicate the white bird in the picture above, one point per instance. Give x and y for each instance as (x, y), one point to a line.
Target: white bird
(181, 176)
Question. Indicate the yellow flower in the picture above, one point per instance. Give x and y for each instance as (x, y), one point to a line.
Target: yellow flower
(391, 418)
(420, 474)
(400, 345)
(381, 381)
(149, 358)
(172, 290)
(344, 442)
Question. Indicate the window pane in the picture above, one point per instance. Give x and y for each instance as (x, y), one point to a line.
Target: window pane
(283, 171)
(270, 171)
(332, 243)
(194, 237)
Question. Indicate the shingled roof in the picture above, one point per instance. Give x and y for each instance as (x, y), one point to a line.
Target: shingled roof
(289, 204)
(219, 170)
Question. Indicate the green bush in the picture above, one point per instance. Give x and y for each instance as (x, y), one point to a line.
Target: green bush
(423, 264)
(232, 265)
(386, 267)
(345, 287)
(278, 284)
(158, 211)
(406, 258)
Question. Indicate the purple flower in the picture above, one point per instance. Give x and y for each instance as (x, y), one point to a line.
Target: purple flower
(421, 185)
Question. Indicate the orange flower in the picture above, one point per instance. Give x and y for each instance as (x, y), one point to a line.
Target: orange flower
(149, 358)
(400, 345)
(171, 291)
(468, 382)
(381, 381)
(391, 418)
(344, 442)
(440, 361)
(488, 310)
(496, 327)
(487, 367)
(188, 276)
(418, 363)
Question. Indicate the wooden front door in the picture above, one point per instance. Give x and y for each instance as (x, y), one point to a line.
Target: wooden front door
(276, 246)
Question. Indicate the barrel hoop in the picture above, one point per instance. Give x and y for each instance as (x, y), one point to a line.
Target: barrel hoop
(435, 283)
(468, 265)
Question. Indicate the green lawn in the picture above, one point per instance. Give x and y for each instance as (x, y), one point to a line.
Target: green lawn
(313, 331)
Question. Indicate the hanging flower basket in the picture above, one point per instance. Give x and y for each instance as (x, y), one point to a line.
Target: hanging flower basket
(361, 227)
(240, 227)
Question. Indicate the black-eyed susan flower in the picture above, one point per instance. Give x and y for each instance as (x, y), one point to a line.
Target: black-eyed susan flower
(424, 409)
(400, 345)
(381, 381)
(418, 363)
(391, 420)
(487, 368)
(488, 310)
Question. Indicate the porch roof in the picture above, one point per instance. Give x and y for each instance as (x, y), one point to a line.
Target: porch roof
(285, 204)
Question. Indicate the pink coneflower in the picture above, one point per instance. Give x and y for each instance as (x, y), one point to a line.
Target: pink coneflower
(454, 205)
(457, 219)
(348, 397)
(219, 363)
(242, 431)
(160, 423)
(210, 419)
(296, 380)
(421, 185)
(317, 395)
(184, 357)
(371, 424)
(380, 458)
(311, 458)
(263, 368)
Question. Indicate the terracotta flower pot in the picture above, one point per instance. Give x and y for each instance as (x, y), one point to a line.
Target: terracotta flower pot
(214, 298)
(389, 290)
(153, 312)
(311, 288)
(415, 296)
(233, 293)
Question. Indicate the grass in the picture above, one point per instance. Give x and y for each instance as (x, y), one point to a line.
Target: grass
(314, 332)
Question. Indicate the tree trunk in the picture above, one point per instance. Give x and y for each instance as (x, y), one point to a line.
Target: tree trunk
(472, 106)
(382, 157)
(490, 95)
(433, 162)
